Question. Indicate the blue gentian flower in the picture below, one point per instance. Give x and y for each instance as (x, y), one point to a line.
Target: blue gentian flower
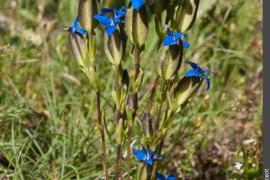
(111, 22)
(162, 177)
(148, 157)
(74, 28)
(137, 4)
(198, 72)
(173, 38)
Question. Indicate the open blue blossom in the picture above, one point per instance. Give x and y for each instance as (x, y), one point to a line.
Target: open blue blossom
(173, 38)
(74, 28)
(137, 4)
(198, 72)
(111, 23)
(162, 177)
(148, 157)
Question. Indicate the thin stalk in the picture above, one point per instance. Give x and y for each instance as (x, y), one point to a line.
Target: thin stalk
(164, 88)
(118, 115)
(92, 59)
(155, 167)
(136, 62)
(128, 151)
(102, 136)
(118, 162)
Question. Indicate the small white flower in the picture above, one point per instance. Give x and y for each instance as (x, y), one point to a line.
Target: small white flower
(238, 166)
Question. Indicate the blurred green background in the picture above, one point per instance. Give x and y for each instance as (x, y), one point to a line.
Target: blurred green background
(47, 108)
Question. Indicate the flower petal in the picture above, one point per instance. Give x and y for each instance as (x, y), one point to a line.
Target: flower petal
(149, 162)
(81, 31)
(160, 176)
(192, 73)
(185, 44)
(140, 154)
(121, 12)
(178, 36)
(75, 28)
(171, 177)
(194, 65)
(110, 29)
(168, 41)
(106, 10)
(101, 19)
(137, 4)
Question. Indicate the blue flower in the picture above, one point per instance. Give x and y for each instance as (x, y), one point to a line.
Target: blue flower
(198, 72)
(111, 22)
(173, 38)
(137, 4)
(148, 157)
(74, 28)
(162, 177)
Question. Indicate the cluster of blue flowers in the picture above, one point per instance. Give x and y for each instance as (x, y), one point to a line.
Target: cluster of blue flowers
(111, 23)
(112, 19)
(148, 157)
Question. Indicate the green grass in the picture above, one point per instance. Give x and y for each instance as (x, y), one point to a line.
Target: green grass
(47, 108)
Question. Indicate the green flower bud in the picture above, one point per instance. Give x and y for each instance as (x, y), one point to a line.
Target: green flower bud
(86, 10)
(136, 26)
(119, 132)
(185, 89)
(170, 59)
(147, 124)
(78, 47)
(115, 47)
(185, 15)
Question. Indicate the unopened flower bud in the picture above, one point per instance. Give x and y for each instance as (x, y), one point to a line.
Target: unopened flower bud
(115, 46)
(185, 89)
(170, 59)
(119, 132)
(185, 15)
(147, 124)
(136, 26)
(78, 47)
(87, 8)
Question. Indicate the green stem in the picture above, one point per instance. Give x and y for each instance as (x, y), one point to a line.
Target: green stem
(102, 136)
(118, 115)
(128, 151)
(164, 88)
(91, 62)
(136, 62)
(118, 162)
